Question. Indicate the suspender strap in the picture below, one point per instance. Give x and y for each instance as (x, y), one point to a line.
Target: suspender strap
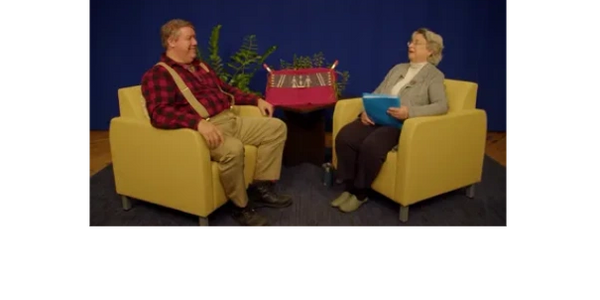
(187, 93)
(232, 102)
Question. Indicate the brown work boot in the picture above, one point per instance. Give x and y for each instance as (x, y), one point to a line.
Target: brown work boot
(263, 195)
(249, 217)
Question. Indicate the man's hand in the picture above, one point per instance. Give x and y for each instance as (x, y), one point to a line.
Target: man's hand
(265, 107)
(365, 119)
(211, 134)
(400, 113)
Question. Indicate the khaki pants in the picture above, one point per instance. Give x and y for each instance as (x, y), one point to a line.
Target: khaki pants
(267, 134)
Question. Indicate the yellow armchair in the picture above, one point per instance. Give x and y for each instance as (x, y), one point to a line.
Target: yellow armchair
(171, 168)
(435, 155)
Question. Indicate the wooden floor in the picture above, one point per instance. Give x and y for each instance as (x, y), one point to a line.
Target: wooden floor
(100, 149)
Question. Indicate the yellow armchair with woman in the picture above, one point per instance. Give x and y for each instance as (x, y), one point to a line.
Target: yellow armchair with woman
(439, 147)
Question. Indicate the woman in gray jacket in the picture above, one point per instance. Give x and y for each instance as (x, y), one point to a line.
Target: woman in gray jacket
(362, 146)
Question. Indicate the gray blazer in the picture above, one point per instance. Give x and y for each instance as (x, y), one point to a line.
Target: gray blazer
(425, 95)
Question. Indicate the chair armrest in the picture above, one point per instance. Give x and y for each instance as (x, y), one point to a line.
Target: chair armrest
(247, 111)
(345, 111)
(144, 154)
(437, 154)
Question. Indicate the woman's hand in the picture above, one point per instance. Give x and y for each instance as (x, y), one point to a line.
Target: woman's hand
(365, 119)
(400, 113)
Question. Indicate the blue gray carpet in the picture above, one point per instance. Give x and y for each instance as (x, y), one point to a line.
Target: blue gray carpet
(311, 205)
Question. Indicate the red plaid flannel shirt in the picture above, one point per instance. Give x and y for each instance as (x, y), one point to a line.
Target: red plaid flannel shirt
(167, 107)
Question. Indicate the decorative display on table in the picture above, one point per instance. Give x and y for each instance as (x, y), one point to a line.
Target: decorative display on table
(298, 87)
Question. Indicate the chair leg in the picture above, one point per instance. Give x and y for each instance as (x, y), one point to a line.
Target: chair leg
(203, 221)
(403, 213)
(126, 202)
(471, 191)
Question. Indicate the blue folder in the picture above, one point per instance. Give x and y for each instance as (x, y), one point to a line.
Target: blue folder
(376, 106)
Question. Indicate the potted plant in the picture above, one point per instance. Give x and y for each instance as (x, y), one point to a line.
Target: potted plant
(242, 65)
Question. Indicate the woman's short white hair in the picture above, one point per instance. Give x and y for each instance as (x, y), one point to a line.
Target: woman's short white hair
(435, 44)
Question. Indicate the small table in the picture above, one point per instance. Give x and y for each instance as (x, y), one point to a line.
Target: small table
(305, 142)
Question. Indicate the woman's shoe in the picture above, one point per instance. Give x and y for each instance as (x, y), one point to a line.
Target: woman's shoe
(352, 204)
(341, 199)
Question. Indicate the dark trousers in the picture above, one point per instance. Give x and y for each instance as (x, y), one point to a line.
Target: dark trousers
(361, 151)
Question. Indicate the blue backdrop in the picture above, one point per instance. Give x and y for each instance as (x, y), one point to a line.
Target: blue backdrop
(367, 37)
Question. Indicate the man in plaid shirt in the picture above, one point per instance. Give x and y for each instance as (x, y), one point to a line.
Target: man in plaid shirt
(225, 133)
